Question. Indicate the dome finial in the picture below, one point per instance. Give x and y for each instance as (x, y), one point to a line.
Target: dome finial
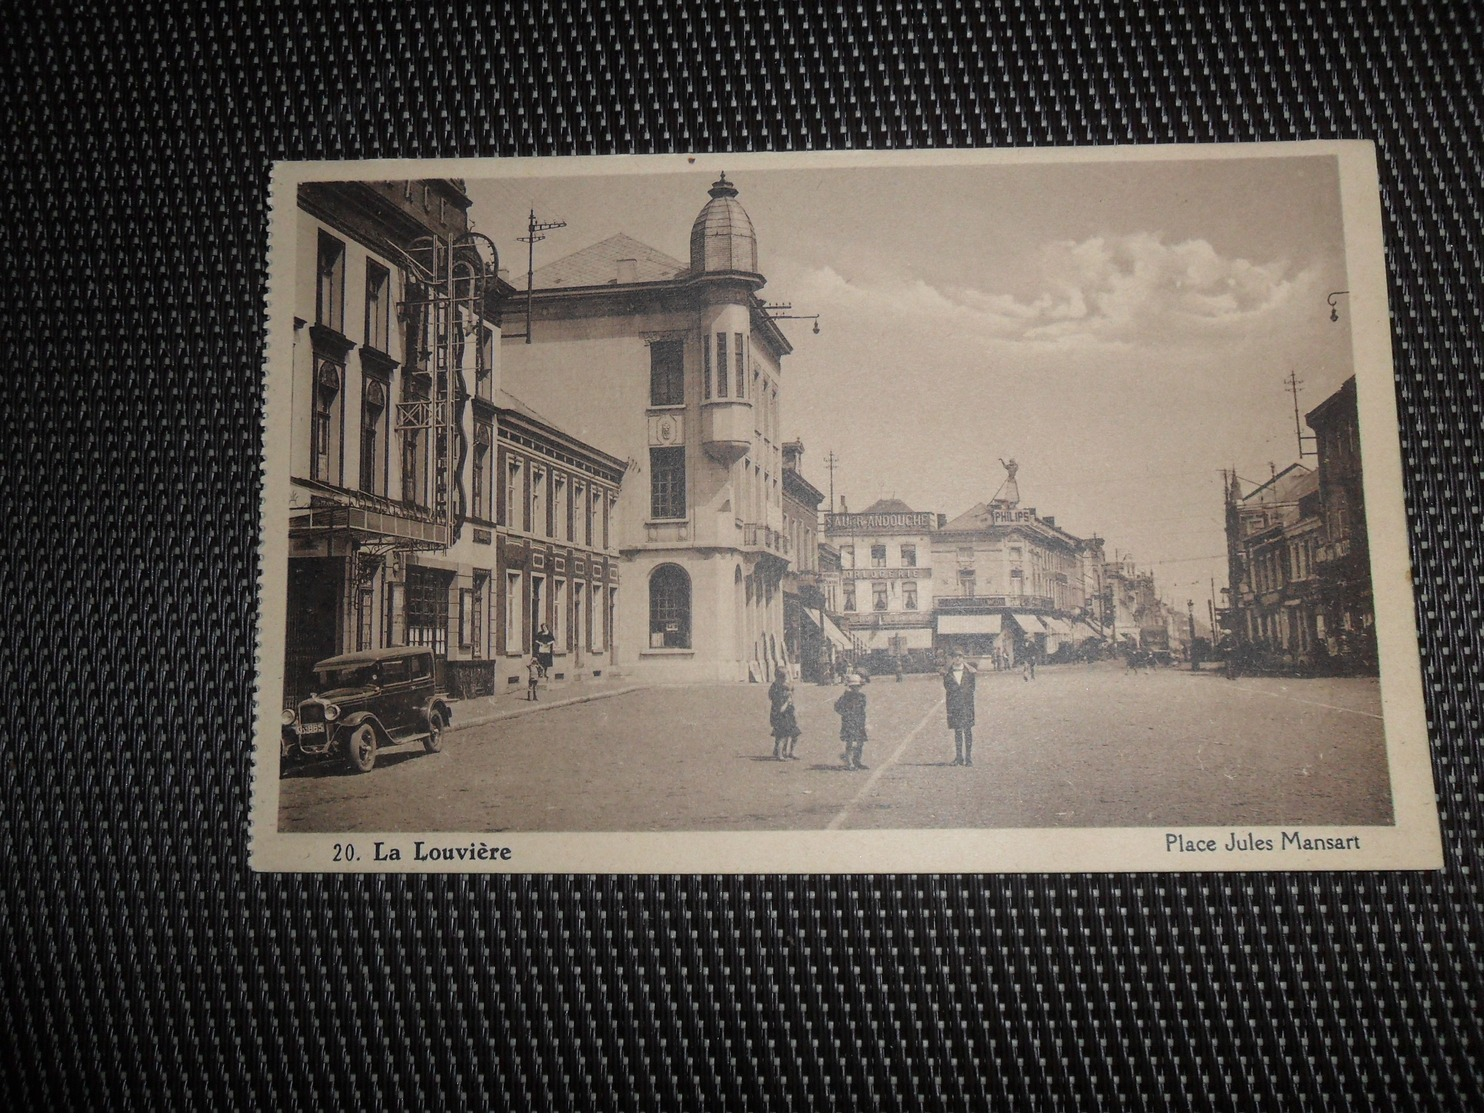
(721, 188)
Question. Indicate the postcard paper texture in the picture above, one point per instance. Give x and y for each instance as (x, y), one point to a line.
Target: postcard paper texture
(893, 512)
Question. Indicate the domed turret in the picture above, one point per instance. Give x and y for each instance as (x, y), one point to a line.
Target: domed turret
(722, 238)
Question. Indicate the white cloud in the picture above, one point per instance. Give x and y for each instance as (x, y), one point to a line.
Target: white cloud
(1122, 290)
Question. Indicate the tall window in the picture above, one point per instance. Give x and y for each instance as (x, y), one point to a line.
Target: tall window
(515, 619)
(538, 501)
(324, 429)
(559, 507)
(365, 619)
(666, 373)
(579, 500)
(669, 608)
(515, 512)
(559, 608)
(966, 583)
(373, 422)
(909, 555)
(705, 369)
(667, 482)
(878, 554)
(594, 505)
(538, 599)
(378, 307)
(849, 597)
(484, 368)
(329, 300)
(600, 620)
(411, 462)
(909, 596)
(479, 484)
(579, 615)
(738, 363)
(878, 596)
(427, 608)
(721, 365)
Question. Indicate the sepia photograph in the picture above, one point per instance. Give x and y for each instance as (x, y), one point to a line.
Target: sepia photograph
(962, 511)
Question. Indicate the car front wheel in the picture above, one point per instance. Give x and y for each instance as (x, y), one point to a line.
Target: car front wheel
(433, 742)
(360, 749)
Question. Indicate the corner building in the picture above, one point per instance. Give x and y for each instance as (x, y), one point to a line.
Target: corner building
(676, 368)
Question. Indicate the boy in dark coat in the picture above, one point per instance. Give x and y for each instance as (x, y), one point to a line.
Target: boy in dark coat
(851, 706)
(958, 693)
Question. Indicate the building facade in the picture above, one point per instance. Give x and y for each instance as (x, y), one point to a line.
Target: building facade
(1009, 583)
(1345, 622)
(394, 537)
(806, 631)
(1275, 535)
(677, 367)
(886, 576)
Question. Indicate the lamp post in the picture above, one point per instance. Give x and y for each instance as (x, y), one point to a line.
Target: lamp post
(1334, 311)
(1190, 616)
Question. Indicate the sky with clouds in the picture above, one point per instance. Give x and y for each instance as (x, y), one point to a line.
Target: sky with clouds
(1121, 329)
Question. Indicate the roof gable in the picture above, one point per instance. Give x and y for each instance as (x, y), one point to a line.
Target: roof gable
(597, 265)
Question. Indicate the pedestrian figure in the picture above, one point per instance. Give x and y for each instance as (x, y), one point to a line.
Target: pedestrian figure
(958, 695)
(545, 643)
(851, 706)
(785, 723)
(533, 676)
(1029, 672)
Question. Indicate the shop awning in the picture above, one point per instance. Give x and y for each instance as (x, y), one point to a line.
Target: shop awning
(832, 631)
(1085, 631)
(1029, 624)
(961, 625)
(1056, 626)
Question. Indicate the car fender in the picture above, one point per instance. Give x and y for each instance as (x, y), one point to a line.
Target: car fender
(438, 704)
(359, 718)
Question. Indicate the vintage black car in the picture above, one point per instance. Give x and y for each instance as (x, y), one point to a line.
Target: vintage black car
(365, 701)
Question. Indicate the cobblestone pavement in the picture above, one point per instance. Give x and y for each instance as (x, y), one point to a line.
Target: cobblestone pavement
(1077, 746)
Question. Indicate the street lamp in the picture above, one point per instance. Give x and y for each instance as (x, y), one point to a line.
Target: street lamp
(1334, 311)
(1190, 616)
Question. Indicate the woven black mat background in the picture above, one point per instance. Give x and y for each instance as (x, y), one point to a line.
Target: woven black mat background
(143, 965)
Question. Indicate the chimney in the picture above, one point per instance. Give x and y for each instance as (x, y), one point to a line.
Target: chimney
(628, 271)
(942, 519)
(1050, 521)
(843, 509)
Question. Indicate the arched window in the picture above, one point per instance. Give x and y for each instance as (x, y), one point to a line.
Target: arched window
(669, 608)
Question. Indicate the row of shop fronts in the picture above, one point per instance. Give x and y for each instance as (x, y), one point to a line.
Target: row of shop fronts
(1298, 553)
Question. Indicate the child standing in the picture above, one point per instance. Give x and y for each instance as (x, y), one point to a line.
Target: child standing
(785, 724)
(851, 706)
(533, 677)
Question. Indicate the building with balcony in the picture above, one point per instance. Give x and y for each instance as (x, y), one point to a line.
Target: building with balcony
(886, 576)
(677, 367)
(1008, 583)
(397, 432)
(808, 634)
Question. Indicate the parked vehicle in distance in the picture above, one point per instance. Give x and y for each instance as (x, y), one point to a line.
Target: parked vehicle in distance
(364, 702)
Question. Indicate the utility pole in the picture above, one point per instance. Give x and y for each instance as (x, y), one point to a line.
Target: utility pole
(830, 461)
(1190, 616)
(535, 230)
(1293, 383)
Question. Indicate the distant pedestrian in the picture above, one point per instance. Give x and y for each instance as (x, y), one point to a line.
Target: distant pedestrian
(533, 678)
(545, 645)
(1029, 671)
(785, 723)
(958, 696)
(851, 706)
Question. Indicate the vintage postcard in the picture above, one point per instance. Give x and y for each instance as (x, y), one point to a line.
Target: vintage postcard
(961, 511)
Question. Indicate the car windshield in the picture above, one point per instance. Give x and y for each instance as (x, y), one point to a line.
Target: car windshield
(362, 674)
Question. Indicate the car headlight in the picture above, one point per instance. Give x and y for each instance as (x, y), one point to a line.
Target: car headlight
(332, 711)
(288, 717)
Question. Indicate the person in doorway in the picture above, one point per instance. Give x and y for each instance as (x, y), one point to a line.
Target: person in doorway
(533, 678)
(785, 723)
(851, 706)
(545, 645)
(958, 695)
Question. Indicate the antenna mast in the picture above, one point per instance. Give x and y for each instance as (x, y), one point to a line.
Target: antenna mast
(1293, 383)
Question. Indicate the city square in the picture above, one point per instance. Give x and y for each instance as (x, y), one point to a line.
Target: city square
(1079, 746)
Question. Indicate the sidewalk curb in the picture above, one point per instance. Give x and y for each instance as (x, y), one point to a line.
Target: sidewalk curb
(528, 708)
